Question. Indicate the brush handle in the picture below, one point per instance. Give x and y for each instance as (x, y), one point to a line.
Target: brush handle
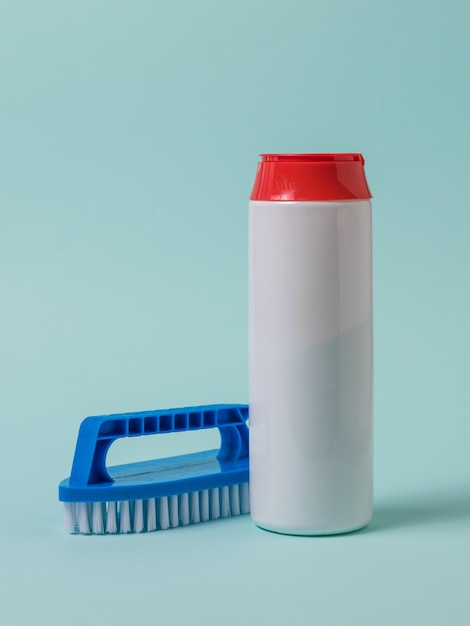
(98, 433)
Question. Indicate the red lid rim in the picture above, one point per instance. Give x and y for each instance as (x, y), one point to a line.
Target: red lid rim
(314, 158)
(310, 177)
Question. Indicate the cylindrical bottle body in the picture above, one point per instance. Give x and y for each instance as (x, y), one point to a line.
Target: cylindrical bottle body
(310, 365)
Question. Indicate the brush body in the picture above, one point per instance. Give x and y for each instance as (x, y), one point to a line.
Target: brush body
(162, 493)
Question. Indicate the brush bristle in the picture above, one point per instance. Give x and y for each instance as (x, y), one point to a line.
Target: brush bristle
(138, 516)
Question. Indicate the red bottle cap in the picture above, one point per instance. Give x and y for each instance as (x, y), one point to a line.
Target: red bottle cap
(314, 177)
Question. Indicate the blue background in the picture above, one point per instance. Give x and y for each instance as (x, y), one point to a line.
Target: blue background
(129, 134)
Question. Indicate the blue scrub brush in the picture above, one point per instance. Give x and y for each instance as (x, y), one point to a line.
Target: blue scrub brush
(163, 493)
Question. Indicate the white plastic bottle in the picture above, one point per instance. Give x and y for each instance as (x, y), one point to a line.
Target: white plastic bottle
(310, 344)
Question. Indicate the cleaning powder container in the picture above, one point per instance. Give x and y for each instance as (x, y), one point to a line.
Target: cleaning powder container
(310, 344)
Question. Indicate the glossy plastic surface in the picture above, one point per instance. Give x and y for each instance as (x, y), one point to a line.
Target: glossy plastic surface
(92, 481)
(310, 366)
(316, 177)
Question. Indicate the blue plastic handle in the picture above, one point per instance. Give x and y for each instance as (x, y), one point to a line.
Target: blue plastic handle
(98, 433)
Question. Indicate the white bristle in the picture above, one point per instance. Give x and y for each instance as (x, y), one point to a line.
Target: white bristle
(151, 515)
(138, 516)
(234, 500)
(83, 518)
(163, 514)
(194, 507)
(97, 518)
(125, 517)
(224, 502)
(184, 509)
(75, 516)
(173, 508)
(215, 504)
(204, 504)
(69, 517)
(111, 518)
(244, 498)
